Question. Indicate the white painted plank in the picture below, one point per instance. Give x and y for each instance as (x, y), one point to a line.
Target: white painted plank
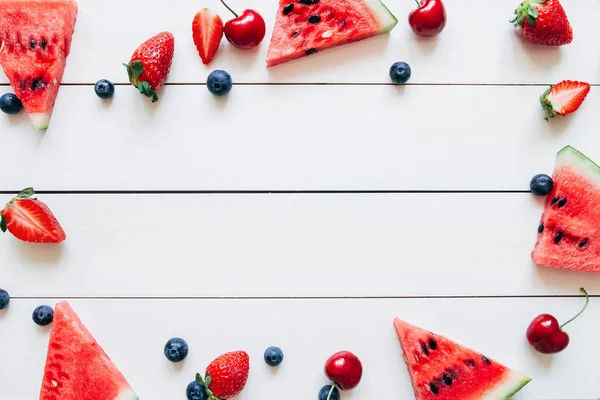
(294, 138)
(479, 45)
(288, 245)
(308, 332)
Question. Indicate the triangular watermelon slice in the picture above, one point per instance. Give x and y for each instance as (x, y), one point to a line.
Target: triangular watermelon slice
(76, 366)
(35, 40)
(569, 232)
(445, 370)
(304, 27)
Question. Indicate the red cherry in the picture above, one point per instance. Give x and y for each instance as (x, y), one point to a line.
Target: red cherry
(245, 31)
(545, 334)
(344, 369)
(429, 19)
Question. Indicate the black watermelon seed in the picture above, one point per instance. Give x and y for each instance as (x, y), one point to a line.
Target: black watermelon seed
(558, 237)
(295, 33)
(583, 242)
(311, 51)
(314, 19)
(486, 360)
(424, 348)
(562, 202)
(434, 388)
(38, 84)
(309, 2)
(541, 228)
(432, 344)
(32, 44)
(554, 201)
(44, 44)
(447, 379)
(288, 9)
(471, 363)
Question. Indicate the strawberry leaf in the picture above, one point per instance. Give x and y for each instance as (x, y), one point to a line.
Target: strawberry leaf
(137, 69)
(146, 90)
(26, 193)
(2, 223)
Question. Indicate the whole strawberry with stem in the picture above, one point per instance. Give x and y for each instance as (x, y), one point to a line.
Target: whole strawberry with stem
(30, 220)
(543, 22)
(150, 64)
(226, 375)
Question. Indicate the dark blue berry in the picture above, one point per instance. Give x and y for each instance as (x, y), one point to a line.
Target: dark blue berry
(324, 392)
(176, 350)
(43, 315)
(219, 82)
(400, 72)
(10, 103)
(104, 89)
(541, 185)
(4, 299)
(273, 356)
(195, 391)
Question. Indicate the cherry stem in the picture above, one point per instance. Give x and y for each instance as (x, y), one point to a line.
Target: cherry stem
(229, 8)
(587, 301)
(418, 2)
(330, 392)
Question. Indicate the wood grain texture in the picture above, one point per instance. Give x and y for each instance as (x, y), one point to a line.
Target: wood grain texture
(133, 333)
(289, 245)
(294, 138)
(479, 45)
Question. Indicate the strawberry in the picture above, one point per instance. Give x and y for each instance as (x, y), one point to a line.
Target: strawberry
(564, 98)
(543, 22)
(226, 376)
(207, 31)
(30, 220)
(150, 64)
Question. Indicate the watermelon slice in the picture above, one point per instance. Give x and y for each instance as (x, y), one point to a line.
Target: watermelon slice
(35, 40)
(444, 370)
(76, 366)
(569, 233)
(306, 26)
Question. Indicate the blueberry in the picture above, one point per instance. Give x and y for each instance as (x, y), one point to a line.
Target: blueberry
(104, 89)
(219, 82)
(4, 299)
(10, 103)
(273, 356)
(400, 72)
(324, 392)
(176, 350)
(43, 315)
(195, 391)
(541, 185)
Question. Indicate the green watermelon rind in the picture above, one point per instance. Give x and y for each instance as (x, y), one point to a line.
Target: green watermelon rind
(570, 157)
(383, 15)
(508, 387)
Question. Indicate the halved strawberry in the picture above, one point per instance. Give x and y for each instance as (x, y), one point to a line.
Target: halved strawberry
(30, 220)
(564, 98)
(207, 32)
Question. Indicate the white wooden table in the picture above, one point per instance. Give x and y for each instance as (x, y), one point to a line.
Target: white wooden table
(307, 209)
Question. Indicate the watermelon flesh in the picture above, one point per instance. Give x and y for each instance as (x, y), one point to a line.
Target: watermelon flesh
(444, 370)
(76, 366)
(569, 232)
(35, 40)
(307, 26)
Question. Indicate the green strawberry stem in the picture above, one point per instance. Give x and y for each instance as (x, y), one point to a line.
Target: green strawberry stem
(587, 301)
(330, 392)
(229, 8)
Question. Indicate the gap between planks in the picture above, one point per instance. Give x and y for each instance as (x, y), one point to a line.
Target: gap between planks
(253, 192)
(328, 84)
(433, 297)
